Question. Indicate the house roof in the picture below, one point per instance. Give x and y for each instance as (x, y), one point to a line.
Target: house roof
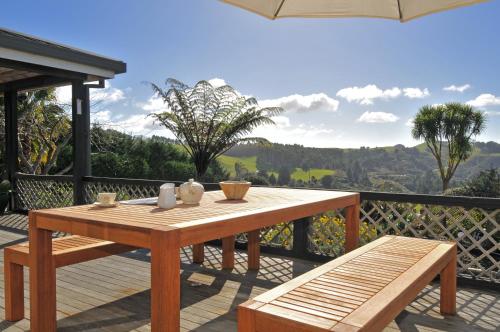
(25, 58)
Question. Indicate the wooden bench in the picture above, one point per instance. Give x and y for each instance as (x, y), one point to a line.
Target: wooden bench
(65, 251)
(363, 290)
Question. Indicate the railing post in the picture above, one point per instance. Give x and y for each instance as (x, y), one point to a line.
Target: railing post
(300, 231)
(81, 139)
(11, 149)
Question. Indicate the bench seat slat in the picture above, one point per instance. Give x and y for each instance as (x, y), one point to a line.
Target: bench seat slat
(360, 291)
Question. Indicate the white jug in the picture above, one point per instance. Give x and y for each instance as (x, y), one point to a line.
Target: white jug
(166, 199)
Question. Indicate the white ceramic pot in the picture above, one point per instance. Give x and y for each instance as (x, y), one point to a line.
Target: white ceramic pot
(191, 192)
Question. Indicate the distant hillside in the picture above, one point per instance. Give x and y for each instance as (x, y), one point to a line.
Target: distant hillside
(394, 168)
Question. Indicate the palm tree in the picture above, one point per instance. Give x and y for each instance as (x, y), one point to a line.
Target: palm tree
(208, 120)
(448, 128)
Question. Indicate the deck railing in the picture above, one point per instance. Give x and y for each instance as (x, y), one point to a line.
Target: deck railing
(474, 223)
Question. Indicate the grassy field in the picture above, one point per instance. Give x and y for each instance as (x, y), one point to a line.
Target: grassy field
(251, 164)
(228, 162)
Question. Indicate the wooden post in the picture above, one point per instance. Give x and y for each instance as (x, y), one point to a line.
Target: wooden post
(254, 249)
(300, 230)
(198, 253)
(14, 289)
(11, 148)
(165, 281)
(448, 280)
(228, 252)
(81, 139)
(42, 279)
(352, 226)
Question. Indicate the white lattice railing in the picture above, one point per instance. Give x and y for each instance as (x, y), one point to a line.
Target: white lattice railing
(41, 192)
(474, 223)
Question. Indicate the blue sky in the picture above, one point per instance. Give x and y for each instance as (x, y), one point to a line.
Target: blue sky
(343, 82)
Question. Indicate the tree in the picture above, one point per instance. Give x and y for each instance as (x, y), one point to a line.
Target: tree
(44, 130)
(448, 132)
(272, 179)
(307, 169)
(208, 120)
(326, 181)
(284, 176)
(485, 184)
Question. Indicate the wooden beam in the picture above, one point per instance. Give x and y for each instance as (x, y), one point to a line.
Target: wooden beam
(31, 83)
(11, 150)
(42, 70)
(81, 139)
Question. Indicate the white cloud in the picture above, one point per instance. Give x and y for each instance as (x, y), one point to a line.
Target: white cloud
(107, 95)
(101, 116)
(307, 135)
(138, 124)
(409, 123)
(366, 95)
(493, 113)
(281, 121)
(217, 82)
(301, 103)
(377, 117)
(457, 88)
(485, 99)
(154, 104)
(416, 93)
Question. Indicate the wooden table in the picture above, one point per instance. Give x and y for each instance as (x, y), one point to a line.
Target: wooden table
(165, 232)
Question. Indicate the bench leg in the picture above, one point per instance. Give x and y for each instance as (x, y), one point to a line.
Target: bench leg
(448, 280)
(198, 253)
(14, 290)
(228, 252)
(246, 318)
(254, 250)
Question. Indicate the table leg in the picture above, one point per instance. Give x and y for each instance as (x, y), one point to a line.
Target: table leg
(165, 281)
(352, 227)
(254, 250)
(228, 252)
(198, 253)
(448, 279)
(42, 279)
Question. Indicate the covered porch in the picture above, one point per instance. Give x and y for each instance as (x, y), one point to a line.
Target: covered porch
(30, 63)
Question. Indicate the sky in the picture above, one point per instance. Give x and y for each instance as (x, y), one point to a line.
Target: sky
(342, 82)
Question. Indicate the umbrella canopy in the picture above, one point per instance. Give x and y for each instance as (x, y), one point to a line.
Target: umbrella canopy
(402, 10)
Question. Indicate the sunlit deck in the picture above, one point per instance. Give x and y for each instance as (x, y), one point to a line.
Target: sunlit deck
(112, 294)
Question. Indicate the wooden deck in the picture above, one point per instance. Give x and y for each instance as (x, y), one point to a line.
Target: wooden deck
(112, 294)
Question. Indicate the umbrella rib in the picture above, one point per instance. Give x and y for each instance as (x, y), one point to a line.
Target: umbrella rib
(279, 8)
(400, 11)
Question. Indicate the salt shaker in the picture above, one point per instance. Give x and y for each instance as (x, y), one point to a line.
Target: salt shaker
(166, 199)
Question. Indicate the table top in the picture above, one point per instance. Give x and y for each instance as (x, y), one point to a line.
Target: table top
(214, 208)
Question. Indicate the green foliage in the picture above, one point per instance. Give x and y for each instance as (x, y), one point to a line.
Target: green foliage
(209, 120)
(284, 176)
(448, 131)
(44, 131)
(326, 181)
(485, 184)
(4, 186)
(115, 154)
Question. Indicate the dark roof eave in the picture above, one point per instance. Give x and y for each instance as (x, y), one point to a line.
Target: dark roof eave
(30, 44)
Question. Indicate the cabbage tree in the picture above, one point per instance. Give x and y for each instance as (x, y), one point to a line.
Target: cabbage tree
(448, 130)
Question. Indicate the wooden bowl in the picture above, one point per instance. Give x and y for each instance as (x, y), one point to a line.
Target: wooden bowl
(235, 189)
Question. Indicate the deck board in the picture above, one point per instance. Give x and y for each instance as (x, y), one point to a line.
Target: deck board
(112, 293)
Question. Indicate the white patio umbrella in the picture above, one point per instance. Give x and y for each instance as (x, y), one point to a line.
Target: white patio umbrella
(402, 10)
